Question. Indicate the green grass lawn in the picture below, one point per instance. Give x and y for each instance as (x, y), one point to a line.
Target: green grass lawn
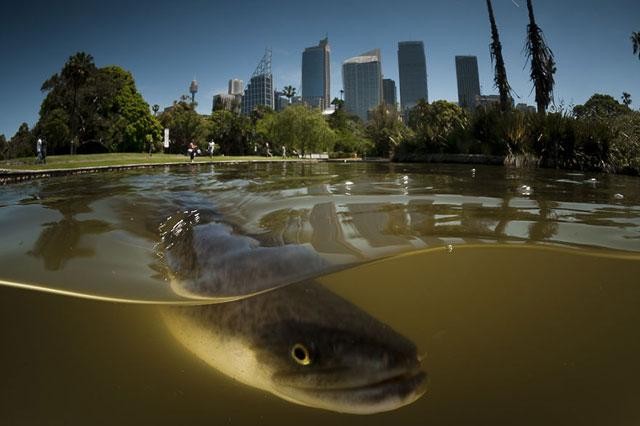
(96, 160)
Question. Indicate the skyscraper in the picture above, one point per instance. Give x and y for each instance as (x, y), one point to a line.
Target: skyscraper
(362, 80)
(389, 92)
(316, 75)
(259, 91)
(235, 86)
(412, 67)
(468, 81)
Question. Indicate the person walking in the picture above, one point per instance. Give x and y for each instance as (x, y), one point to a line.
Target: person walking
(39, 151)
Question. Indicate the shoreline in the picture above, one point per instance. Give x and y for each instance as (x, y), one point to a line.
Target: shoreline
(9, 176)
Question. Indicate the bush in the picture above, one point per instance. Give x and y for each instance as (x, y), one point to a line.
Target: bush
(624, 150)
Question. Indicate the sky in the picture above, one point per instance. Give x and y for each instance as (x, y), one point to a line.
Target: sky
(165, 44)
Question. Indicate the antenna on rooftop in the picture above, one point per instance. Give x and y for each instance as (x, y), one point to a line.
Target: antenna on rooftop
(264, 67)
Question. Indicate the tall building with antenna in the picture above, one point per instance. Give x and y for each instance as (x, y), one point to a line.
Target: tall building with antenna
(259, 91)
(193, 89)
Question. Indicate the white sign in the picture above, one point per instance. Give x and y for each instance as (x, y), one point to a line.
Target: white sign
(166, 138)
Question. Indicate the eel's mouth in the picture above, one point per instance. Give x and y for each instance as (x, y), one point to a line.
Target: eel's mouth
(384, 393)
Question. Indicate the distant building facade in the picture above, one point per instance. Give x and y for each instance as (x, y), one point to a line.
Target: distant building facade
(389, 92)
(280, 101)
(468, 81)
(526, 108)
(259, 91)
(487, 100)
(362, 80)
(225, 101)
(316, 75)
(412, 68)
(236, 87)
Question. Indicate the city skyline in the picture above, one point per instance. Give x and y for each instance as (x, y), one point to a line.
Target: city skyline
(590, 40)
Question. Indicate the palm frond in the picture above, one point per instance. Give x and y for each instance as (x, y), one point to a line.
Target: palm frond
(500, 78)
(543, 65)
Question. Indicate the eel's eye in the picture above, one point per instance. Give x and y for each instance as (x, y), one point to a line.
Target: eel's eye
(300, 354)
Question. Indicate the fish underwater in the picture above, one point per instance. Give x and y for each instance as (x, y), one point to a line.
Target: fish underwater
(306, 345)
(282, 332)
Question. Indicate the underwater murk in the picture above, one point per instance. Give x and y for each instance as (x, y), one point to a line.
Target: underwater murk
(321, 294)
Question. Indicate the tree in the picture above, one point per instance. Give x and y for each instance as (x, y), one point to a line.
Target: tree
(85, 106)
(635, 41)
(4, 147)
(543, 65)
(386, 130)
(436, 124)
(67, 91)
(124, 121)
(54, 129)
(626, 99)
(155, 108)
(185, 125)
(600, 107)
(231, 131)
(350, 133)
(289, 92)
(500, 78)
(22, 144)
(297, 128)
(338, 103)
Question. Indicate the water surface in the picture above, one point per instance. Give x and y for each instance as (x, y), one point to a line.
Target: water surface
(518, 289)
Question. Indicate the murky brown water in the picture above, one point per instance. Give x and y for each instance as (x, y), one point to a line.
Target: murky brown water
(517, 290)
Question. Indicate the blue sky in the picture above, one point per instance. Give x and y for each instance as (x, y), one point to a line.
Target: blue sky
(165, 44)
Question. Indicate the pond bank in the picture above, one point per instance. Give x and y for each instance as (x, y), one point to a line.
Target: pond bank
(8, 176)
(493, 160)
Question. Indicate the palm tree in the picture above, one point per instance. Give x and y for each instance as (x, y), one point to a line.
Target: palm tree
(500, 78)
(75, 73)
(543, 65)
(626, 99)
(155, 109)
(289, 92)
(635, 40)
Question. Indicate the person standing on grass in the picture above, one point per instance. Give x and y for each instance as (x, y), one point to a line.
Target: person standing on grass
(192, 150)
(39, 151)
(43, 151)
(212, 147)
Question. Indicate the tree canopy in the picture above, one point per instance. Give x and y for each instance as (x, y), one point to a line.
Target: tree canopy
(297, 128)
(231, 131)
(600, 106)
(434, 124)
(386, 130)
(185, 125)
(89, 105)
